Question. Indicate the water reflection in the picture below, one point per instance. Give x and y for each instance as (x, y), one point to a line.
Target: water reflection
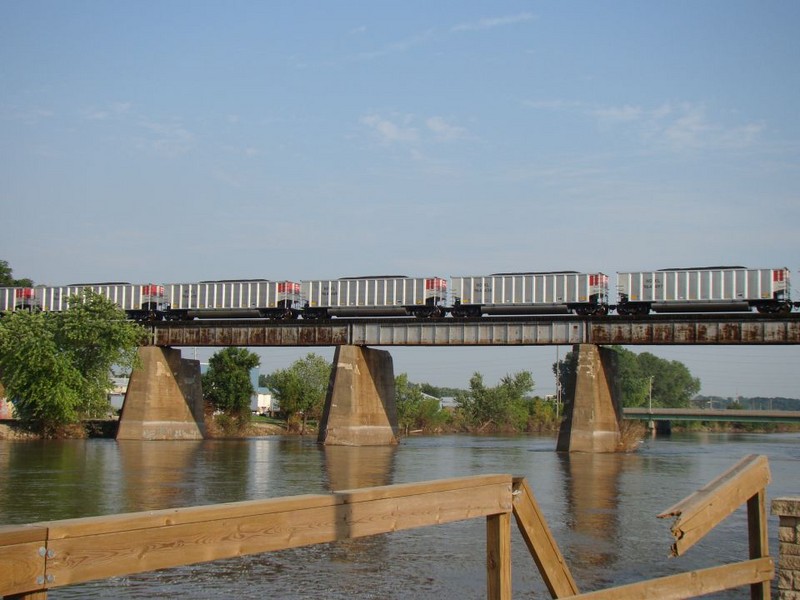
(155, 474)
(351, 467)
(50, 480)
(592, 494)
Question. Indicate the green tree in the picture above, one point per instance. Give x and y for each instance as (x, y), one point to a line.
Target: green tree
(505, 405)
(672, 383)
(226, 383)
(57, 366)
(7, 280)
(415, 409)
(301, 389)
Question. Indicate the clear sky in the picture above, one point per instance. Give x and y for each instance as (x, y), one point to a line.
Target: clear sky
(178, 141)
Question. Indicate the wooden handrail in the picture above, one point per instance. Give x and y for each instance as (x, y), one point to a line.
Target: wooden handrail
(36, 558)
(700, 512)
(42, 556)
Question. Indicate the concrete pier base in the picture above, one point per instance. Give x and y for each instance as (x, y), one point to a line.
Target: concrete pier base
(164, 400)
(592, 419)
(360, 407)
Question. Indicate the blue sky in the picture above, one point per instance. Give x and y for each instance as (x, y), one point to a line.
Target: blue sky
(177, 141)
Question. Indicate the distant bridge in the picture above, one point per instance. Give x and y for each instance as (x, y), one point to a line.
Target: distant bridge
(679, 329)
(728, 415)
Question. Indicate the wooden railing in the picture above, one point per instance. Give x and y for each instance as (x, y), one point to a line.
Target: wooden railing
(697, 514)
(37, 557)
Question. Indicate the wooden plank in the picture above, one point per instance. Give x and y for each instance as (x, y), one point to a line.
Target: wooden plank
(498, 557)
(541, 544)
(22, 558)
(689, 584)
(22, 568)
(198, 514)
(19, 534)
(82, 554)
(758, 540)
(702, 511)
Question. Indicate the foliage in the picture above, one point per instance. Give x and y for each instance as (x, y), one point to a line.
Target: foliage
(301, 389)
(415, 409)
(226, 384)
(544, 415)
(56, 366)
(439, 392)
(7, 280)
(505, 405)
(672, 383)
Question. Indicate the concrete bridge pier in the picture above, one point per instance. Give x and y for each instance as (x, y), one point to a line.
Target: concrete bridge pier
(592, 420)
(164, 400)
(360, 406)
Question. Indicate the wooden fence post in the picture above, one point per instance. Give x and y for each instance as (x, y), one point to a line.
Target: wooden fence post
(498, 557)
(758, 540)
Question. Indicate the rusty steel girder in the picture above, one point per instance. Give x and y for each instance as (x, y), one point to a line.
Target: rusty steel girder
(500, 331)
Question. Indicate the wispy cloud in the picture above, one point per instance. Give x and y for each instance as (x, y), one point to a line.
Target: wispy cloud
(492, 22)
(409, 130)
(443, 130)
(29, 115)
(433, 34)
(113, 110)
(390, 131)
(167, 139)
(399, 47)
(680, 126)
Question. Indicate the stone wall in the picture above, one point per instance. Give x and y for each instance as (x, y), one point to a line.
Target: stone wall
(788, 510)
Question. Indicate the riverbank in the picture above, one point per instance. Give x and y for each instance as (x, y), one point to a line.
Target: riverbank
(12, 430)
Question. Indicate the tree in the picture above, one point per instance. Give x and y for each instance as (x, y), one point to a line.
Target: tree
(672, 383)
(504, 405)
(415, 410)
(56, 366)
(226, 384)
(6, 279)
(301, 389)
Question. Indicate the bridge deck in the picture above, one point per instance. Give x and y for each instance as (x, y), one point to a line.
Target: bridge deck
(727, 415)
(735, 329)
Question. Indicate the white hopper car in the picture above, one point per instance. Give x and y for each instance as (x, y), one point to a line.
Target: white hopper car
(526, 293)
(422, 297)
(704, 289)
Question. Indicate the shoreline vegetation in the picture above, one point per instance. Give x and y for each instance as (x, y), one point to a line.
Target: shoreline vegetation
(632, 431)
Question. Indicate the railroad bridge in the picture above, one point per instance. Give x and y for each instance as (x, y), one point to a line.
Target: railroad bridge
(164, 398)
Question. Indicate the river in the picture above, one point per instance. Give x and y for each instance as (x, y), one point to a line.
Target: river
(601, 508)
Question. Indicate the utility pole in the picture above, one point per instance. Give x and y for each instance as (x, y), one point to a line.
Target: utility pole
(558, 384)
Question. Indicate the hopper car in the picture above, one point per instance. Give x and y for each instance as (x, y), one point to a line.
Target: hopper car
(232, 299)
(422, 297)
(717, 289)
(530, 293)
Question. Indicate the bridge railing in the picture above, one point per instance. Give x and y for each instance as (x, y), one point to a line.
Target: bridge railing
(37, 557)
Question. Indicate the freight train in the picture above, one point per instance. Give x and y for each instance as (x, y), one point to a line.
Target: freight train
(717, 289)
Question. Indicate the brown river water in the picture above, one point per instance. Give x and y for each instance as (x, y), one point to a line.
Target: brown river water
(600, 508)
